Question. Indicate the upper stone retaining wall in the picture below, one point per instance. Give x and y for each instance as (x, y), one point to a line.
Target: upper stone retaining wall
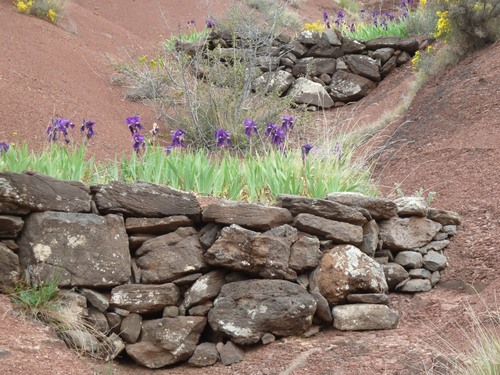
(315, 69)
(157, 272)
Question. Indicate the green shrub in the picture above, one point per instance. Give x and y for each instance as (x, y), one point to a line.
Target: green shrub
(48, 9)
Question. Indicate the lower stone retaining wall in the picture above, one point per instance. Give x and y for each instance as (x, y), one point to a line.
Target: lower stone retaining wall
(156, 272)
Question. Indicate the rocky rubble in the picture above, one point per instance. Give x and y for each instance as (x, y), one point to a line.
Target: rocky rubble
(171, 282)
(319, 70)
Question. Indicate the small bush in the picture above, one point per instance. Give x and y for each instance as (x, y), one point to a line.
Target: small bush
(48, 9)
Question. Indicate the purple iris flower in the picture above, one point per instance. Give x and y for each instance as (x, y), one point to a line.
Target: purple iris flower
(352, 28)
(337, 150)
(87, 128)
(383, 23)
(139, 142)
(222, 138)
(210, 23)
(59, 126)
(178, 138)
(390, 16)
(287, 123)
(340, 14)
(250, 127)
(134, 124)
(270, 129)
(305, 150)
(278, 138)
(4, 147)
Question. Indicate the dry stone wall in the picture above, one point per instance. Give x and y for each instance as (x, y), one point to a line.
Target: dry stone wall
(171, 282)
(319, 70)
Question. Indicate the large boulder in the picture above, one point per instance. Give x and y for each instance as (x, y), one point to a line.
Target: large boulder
(144, 199)
(76, 249)
(246, 310)
(167, 341)
(249, 215)
(265, 254)
(21, 193)
(320, 207)
(345, 270)
(407, 233)
(304, 91)
(347, 87)
(168, 257)
(142, 299)
(314, 67)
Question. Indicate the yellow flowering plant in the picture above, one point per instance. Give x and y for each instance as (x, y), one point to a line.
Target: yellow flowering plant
(48, 9)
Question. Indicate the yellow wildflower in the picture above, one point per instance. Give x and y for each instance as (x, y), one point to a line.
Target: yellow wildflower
(443, 25)
(416, 60)
(314, 26)
(22, 7)
(423, 3)
(52, 15)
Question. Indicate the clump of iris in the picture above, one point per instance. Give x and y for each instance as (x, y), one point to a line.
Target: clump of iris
(138, 139)
(58, 130)
(4, 147)
(223, 138)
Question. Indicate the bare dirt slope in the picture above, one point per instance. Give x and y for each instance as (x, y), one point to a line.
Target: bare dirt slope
(448, 142)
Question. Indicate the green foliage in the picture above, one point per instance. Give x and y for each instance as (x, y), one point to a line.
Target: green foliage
(37, 301)
(369, 31)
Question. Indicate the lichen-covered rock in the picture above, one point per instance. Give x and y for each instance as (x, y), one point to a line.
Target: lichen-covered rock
(407, 233)
(140, 298)
(345, 270)
(361, 317)
(412, 206)
(379, 208)
(304, 91)
(347, 87)
(205, 288)
(246, 310)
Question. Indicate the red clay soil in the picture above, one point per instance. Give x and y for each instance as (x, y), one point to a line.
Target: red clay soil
(447, 142)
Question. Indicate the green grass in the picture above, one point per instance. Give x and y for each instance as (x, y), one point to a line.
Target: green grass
(369, 31)
(37, 301)
(251, 177)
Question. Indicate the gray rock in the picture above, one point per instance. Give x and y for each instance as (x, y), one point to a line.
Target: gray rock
(444, 217)
(346, 270)
(363, 66)
(140, 298)
(149, 200)
(171, 256)
(419, 273)
(440, 236)
(249, 215)
(246, 310)
(383, 54)
(188, 279)
(412, 206)
(231, 353)
(433, 245)
(96, 299)
(9, 267)
(415, 286)
(320, 207)
(157, 226)
(10, 226)
(434, 261)
(82, 340)
(296, 48)
(170, 312)
(205, 288)
(347, 87)
(323, 312)
(370, 238)
(309, 66)
(209, 233)
(264, 254)
(167, 341)
(201, 310)
(394, 274)
(98, 320)
(372, 298)
(388, 67)
(337, 231)
(350, 46)
(304, 91)
(278, 81)
(305, 254)
(268, 338)
(131, 327)
(73, 306)
(435, 278)
(136, 242)
(409, 259)
(407, 233)
(205, 354)
(267, 63)
(117, 346)
(82, 249)
(332, 36)
(409, 45)
(21, 193)
(361, 317)
(114, 322)
(379, 208)
(449, 229)
(324, 49)
(308, 37)
(385, 253)
(403, 58)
